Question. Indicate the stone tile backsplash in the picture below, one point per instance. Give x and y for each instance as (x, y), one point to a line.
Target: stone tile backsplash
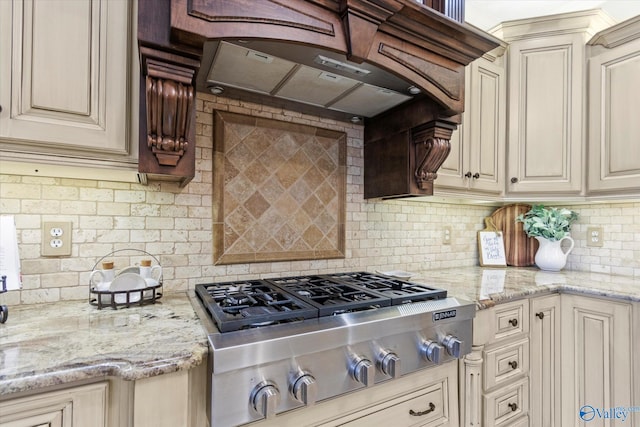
(175, 224)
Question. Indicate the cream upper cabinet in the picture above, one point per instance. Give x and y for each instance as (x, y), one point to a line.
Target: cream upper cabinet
(546, 102)
(598, 340)
(476, 161)
(66, 81)
(614, 103)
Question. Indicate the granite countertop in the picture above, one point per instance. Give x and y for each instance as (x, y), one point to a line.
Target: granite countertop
(491, 286)
(57, 343)
(48, 344)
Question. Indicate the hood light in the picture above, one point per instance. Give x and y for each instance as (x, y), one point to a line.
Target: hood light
(216, 90)
(342, 66)
(356, 119)
(413, 90)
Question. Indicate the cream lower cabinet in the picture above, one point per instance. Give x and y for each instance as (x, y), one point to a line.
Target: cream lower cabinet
(598, 342)
(77, 406)
(545, 374)
(554, 360)
(475, 164)
(614, 128)
(424, 398)
(496, 373)
(169, 400)
(66, 82)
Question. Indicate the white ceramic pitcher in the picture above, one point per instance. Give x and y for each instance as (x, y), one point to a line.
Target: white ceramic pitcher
(550, 256)
(106, 276)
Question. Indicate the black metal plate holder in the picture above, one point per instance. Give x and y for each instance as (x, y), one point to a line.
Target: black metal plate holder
(4, 310)
(134, 297)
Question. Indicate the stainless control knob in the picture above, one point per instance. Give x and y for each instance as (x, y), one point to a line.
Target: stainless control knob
(389, 363)
(432, 351)
(265, 398)
(363, 371)
(453, 345)
(305, 389)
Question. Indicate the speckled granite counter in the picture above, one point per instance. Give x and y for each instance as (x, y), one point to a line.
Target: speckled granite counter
(49, 344)
(489, 286)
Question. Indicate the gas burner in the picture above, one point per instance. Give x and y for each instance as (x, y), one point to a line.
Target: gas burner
(329, 296)
(239, 305)
(399, 291)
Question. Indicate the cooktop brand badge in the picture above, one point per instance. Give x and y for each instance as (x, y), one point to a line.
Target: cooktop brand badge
(441, 315)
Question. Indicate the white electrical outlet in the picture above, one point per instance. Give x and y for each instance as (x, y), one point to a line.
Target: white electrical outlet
(595, 236)
(446, 235)
(56, 238)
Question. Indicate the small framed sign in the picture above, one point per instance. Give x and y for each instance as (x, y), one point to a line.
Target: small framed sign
(491, 249)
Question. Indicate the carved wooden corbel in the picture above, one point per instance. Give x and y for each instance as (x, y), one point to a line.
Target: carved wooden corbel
(432, 145)
(170, 101)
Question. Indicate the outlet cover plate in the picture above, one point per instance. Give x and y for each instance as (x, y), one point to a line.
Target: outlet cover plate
(595, 237)
(56, 238)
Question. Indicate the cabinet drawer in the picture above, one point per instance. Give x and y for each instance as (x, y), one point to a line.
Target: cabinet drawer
(511, 319)
(430, 407)
(506, 362)
(506, 404)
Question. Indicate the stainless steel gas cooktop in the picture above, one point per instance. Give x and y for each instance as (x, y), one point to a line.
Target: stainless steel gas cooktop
(281, 344)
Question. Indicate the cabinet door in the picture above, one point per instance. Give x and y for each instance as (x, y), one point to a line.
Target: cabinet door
(545, 115)
(487, 127)
(476, 160)
(614, 128)
(544, 377)
(596, 360)
(64, 78)
(77, 406)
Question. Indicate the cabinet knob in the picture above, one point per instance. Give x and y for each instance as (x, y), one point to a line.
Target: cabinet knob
(467, 175)
(513, 364)
(476, 175)
(514, 180)
(513, 406)
(540, 315)
(513, 322)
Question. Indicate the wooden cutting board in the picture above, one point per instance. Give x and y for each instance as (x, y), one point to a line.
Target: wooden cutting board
(519, 249)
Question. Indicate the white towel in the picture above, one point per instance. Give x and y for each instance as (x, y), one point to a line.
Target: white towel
(9, 255)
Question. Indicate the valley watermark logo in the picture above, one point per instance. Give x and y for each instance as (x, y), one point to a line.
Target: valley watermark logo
(621, 413)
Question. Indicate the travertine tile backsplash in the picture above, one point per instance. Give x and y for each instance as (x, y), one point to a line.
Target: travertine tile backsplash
(175, 224)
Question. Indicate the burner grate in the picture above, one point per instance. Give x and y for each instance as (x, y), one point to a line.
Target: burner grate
(399, 291)
(331, 297)
(247, 304)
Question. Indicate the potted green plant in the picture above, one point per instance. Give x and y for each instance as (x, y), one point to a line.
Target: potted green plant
(550, 226)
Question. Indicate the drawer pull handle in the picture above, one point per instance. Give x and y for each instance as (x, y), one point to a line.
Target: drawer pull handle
(513, 406)
(432, 408)
(513, 364)
(540, 315)
(513, 322)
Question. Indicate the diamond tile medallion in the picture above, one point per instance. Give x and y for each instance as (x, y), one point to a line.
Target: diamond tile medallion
(279, 190)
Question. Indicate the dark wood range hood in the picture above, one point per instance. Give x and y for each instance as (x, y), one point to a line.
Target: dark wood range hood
(424, 45)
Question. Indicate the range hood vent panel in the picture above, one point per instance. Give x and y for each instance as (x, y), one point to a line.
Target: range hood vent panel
(244, 68)
(251, 70)
(369, 100)
(315, 87)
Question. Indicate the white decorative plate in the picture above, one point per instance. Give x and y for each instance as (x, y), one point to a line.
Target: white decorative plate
(398, 274)
(127, 282)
